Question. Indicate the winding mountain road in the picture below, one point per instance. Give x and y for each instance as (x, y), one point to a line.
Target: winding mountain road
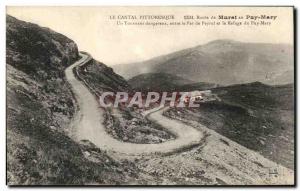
(88, 123)
(238, 163)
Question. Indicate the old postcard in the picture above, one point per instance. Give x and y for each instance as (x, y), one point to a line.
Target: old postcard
(174, 95)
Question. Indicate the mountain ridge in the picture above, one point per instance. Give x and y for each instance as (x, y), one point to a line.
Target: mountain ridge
(40, 107)
(222, 62)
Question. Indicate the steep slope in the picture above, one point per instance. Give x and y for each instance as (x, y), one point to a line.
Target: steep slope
(255, 115)
(160, 82)
(127, 71)
(37, 51)
(102, 78)
(39, 108)
(222, 62)
(122, 123)
(157, 82)
(210, 159)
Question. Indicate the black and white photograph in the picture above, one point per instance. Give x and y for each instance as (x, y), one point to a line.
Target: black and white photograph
(150, 96)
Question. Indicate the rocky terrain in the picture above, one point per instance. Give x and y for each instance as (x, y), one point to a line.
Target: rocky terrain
(255, 115)
(39, 108)
(129, 126)
(125, 124)
(41, 105)
(216, 161)
(102, 78)
(198, 155)
(222, 62)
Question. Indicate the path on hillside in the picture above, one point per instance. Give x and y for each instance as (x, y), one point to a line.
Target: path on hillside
(236, 161)
(89, 123)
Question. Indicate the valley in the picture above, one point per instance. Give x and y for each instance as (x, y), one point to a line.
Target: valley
(59, 134)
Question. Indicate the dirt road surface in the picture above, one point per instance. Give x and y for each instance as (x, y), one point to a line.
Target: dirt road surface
(89, 123)
(214, 154)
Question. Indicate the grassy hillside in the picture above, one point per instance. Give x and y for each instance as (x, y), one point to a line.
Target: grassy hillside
(222, 62)
(255, 115)
(39, 108)
(125, 124)
(36, 51)
(157, 82)
(102, 78)
(160, 82)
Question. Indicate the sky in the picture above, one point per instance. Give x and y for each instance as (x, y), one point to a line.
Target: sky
(94, 32)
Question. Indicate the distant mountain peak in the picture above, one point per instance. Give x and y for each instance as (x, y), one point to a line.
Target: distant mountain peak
(223, 61)
(223, 41)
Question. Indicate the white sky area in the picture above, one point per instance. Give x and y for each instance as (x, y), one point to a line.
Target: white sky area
(94, 32)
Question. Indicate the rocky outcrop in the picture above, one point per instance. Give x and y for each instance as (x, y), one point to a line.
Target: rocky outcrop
(36, 51)
(40, 106)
